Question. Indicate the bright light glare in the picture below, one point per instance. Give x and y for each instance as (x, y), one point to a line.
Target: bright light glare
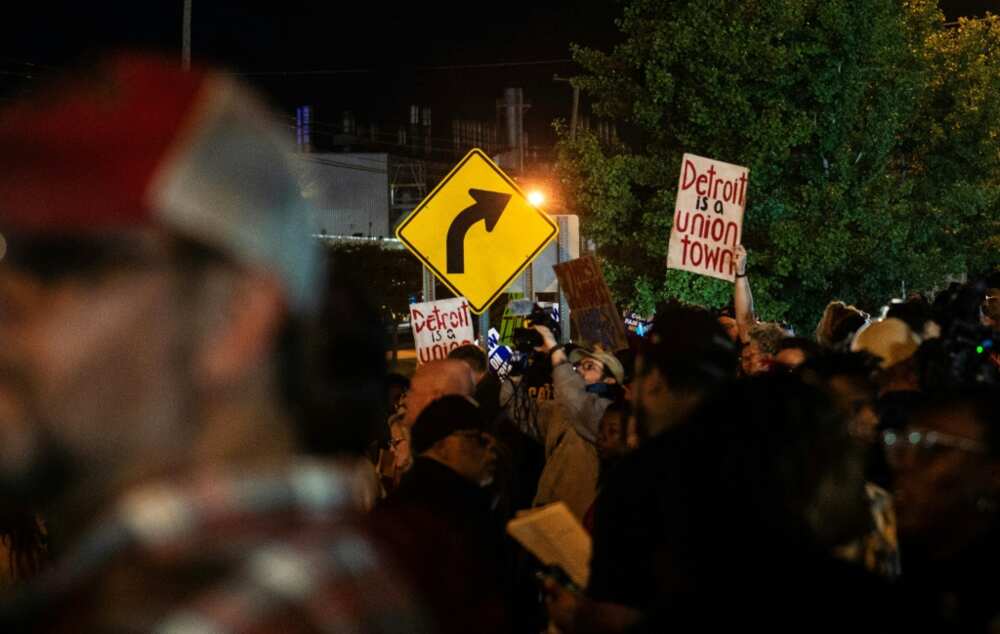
(536, 198)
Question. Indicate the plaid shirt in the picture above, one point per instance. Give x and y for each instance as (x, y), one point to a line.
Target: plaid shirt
(228, 552)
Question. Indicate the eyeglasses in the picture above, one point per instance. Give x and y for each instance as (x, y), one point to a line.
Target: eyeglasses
(589, 365)
(924, 439)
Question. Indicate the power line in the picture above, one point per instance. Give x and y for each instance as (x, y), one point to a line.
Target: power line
(541, 62)
(269, 73)
(348, 71)
(331, 163)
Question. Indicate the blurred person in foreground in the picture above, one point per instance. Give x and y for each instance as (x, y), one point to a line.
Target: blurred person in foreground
(156, 291)
(849, 378)
(946, 463)
(683, 358)
(946, 473)
(753, 490)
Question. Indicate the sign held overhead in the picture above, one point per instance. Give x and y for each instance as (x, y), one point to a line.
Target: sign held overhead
(440, 327)
(708, 217)
(592, 310)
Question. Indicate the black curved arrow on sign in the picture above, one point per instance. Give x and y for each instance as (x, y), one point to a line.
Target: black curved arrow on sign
(488, 207)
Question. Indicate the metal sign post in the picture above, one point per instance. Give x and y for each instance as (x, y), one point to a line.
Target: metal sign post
(428, 283)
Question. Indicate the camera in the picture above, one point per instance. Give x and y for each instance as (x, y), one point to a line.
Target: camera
(525, 340)
(963, 356)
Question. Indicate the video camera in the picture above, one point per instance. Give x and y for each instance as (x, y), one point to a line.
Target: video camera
(525, 340)
(961, 356)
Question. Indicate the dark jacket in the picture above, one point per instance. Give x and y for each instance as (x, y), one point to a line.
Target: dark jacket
(447, 539)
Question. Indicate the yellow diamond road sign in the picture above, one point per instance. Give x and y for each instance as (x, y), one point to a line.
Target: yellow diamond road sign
(476, 231)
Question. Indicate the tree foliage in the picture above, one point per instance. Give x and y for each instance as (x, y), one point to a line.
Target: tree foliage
(868, 127)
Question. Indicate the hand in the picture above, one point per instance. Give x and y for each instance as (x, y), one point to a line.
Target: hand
(548, 339)
(740, 255)
(561, 604)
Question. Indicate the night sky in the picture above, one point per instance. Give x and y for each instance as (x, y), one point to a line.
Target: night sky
(398, 55)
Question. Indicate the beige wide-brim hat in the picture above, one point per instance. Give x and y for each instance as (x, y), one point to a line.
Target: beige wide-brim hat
(609, 360)
(890, 339)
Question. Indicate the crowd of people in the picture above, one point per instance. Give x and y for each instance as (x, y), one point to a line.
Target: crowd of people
(198, 433)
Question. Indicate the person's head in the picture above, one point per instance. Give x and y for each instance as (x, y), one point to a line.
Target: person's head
(850, 379)
(730, 326)
(915, 312)
(451, 430)
(726, 319)
(397, 385)
(758, 355)
(838, 323)
(597, 366)
(772, 453)
(474, 357)
(946, 465)
(960, 305)
(149, 277)
(399, 445)
(958, 360)
(686, 353)
(611, 431)
(794, 351)
(991, 309)
(436, 379)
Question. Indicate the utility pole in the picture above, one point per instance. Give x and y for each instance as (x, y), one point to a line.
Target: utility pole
(186, 38)
(576, 104)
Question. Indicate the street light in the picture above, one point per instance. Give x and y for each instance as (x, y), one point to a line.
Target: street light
(536, 198)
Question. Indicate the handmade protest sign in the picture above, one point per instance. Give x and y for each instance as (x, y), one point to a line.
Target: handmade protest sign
(440, 327)
(591, 309)
(708, 217)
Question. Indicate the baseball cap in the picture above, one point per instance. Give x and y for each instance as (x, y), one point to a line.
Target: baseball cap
(138, 142)
(610, 361)
(442, 418)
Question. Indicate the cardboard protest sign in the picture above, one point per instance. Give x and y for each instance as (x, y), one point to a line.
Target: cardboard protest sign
(708, 217)
(591, 310)
(440, 327)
